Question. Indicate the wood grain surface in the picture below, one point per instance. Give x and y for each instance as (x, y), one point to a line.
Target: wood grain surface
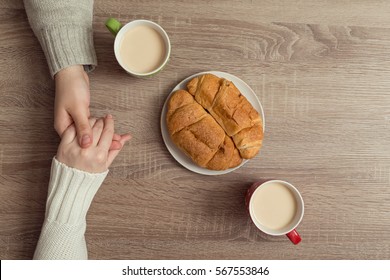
(321, 70)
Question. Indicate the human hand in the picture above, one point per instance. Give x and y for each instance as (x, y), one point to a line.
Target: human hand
(98, 156)
(72, 103)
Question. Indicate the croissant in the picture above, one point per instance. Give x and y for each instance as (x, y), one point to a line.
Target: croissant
(231, 110)
(198, 135)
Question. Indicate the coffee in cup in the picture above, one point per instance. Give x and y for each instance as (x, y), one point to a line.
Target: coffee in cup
(276, 208)
(141, 47)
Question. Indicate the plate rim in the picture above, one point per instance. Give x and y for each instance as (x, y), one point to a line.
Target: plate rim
(201, 170)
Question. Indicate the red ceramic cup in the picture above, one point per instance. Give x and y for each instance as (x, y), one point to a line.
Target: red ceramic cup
(288, 229)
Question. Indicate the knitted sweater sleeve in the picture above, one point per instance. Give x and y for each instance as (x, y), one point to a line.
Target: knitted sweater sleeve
(64, 30)
(70, 194)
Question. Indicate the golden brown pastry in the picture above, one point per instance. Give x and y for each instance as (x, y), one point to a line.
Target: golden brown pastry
(198, 135)
(231, 110)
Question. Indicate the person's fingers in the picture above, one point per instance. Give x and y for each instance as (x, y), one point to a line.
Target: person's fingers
(62, 120)
(69, 134)
(113, 153)
(126, 137)
(92, 122)
(97, 131)
(116, 137)
(84, 131)
(107, 134)
(115, 145)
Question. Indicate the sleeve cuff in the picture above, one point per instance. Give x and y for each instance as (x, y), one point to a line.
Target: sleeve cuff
(71, 192)
(68, 45)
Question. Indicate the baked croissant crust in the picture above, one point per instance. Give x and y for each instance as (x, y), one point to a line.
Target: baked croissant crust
(231, 110)
(198, 135)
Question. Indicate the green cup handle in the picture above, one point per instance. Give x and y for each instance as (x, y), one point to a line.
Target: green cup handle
(113, 25)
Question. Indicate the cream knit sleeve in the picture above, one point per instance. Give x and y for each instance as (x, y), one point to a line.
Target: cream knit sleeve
(64, 29)
(70, 194)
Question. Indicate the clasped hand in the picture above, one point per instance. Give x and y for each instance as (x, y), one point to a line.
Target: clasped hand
(87, 144)
(98, 156)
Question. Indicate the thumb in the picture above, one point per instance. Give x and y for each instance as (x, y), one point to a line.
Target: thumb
(84, 131)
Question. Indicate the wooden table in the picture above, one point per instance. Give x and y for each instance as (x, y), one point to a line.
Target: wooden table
(322, 74)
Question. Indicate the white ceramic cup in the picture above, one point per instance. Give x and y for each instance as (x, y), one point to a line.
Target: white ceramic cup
(290, 229)
(118, 31)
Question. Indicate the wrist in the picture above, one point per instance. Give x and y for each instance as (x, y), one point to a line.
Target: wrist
(70, 71)
(63, 163)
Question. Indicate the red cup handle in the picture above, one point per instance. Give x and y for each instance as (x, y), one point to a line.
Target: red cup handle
(294, 237)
